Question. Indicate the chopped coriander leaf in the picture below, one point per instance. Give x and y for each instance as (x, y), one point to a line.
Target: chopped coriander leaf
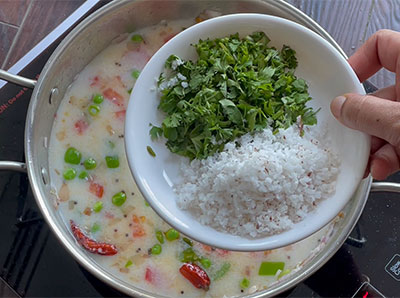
(188, 256)
(245, 283)
(160, 237)
(135, 73)
(95, 228)
(137, 38)
(236, 86)
(205, 262)
(150, 151)
(128, 264)
(222, 271)
(188, 241)
(130, 90)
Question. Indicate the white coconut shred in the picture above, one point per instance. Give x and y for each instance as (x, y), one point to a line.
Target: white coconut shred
(260, 184)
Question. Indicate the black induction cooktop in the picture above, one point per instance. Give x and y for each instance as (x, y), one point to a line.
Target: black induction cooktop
(34, 264)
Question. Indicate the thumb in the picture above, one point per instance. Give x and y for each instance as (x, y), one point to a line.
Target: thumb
(373, 115)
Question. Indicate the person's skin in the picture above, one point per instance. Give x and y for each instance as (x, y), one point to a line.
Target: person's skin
(376, 114)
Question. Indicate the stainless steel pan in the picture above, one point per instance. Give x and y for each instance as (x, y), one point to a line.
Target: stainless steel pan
(77, 50)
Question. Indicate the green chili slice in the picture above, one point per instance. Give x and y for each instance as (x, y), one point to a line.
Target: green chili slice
(94, 110)
(270, 268)
(160, 237)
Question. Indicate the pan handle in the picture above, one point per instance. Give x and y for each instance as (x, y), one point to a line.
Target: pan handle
(13, 166)
(22, 81)
(385, 186)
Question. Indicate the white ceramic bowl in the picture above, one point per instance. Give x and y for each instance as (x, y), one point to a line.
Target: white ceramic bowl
(328, 75)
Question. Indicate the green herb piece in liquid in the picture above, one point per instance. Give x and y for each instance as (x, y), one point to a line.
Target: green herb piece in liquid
(222, 271)
(188, 241)
(188, 256)
(205, 262)
(283, 273)
(236, 86)
(69, 174)
(111, 144)
(119, 198)
(156, 249)
(172, 234)
(90, 164)
(150, 151)
(160, 237)
(94, 110)
(72, 156)
(146, 203)
(98, 99)
(130, 91)
(83, 175)
(112, 162)
(128, 264)
(95, 228)
(245, 283)
(135, 73)
(270, 268)
(97, 206)
(137, 38)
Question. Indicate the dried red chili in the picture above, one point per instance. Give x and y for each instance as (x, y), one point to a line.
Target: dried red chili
(196, 275)
(90, 244)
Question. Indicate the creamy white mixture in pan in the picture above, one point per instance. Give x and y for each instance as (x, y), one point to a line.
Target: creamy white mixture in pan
(109, 215)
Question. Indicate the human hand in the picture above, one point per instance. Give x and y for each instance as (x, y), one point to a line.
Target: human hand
(376, 114)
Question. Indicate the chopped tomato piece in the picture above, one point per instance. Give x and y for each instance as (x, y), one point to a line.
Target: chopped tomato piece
(95, 81)
(149, 276)
(120, 114)
(114, 97)
(80, 126)
(92, 245)
(138, 230)
(96, 189)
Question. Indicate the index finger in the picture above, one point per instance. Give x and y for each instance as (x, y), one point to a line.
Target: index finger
(382, 49)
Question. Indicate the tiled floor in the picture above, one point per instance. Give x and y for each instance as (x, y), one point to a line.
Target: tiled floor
(23, 23)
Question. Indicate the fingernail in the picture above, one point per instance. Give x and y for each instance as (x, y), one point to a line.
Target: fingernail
(336, 106)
